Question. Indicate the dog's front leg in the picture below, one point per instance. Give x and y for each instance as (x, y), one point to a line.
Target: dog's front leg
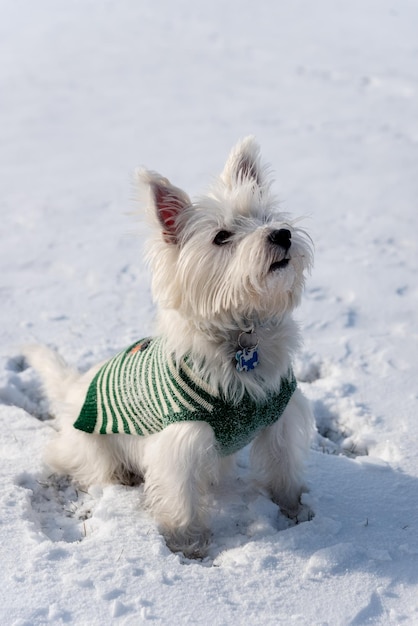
(181, 463)
(279, 452)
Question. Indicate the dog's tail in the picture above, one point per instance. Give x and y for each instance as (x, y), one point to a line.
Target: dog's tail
(57, 377)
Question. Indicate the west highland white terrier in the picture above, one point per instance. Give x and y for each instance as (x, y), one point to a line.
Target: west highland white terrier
(228, 270)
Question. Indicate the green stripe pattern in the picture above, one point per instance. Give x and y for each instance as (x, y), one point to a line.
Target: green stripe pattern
(141, 390)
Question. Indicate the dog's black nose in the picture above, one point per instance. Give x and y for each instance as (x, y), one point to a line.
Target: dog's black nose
(281, 238)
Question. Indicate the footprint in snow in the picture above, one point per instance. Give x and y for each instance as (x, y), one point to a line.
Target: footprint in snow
(339, 417)
(23, 389)
(334, 435)
(57, 507)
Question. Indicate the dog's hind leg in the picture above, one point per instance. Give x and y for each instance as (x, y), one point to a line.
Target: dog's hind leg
(181, 463)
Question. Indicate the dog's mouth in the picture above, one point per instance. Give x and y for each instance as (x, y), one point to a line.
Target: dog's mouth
(279, 265)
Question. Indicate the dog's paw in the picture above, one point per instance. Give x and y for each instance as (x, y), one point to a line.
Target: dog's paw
(294, 507)
(192, 545)
(288, 519)
(304, 514)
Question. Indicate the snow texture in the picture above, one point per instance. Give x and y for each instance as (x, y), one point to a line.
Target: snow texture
(88, 91)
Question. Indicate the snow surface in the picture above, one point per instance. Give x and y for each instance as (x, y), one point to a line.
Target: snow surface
(88, 91)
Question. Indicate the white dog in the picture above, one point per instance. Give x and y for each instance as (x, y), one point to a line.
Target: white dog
(228, 270)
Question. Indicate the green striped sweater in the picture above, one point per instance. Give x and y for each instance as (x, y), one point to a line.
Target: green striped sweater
(140, 391)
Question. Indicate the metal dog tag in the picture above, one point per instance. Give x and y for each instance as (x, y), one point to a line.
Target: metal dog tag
(247, 359)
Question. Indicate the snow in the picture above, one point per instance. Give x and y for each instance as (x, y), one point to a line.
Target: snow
(90, 90)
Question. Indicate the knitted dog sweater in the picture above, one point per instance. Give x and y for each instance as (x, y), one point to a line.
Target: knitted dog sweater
(140, 391)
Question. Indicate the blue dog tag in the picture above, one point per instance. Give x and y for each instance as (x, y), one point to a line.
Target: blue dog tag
(247, 359)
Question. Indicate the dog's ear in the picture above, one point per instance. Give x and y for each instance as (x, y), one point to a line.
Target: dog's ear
(243, 164)
(168, 202)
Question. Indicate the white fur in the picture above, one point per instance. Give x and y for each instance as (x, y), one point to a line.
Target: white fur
(207, 295)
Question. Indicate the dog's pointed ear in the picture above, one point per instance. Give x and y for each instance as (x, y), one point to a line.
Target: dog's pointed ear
(243, 164)
(167, 202)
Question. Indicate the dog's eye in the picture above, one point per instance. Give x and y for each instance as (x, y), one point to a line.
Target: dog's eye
(222, 237)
